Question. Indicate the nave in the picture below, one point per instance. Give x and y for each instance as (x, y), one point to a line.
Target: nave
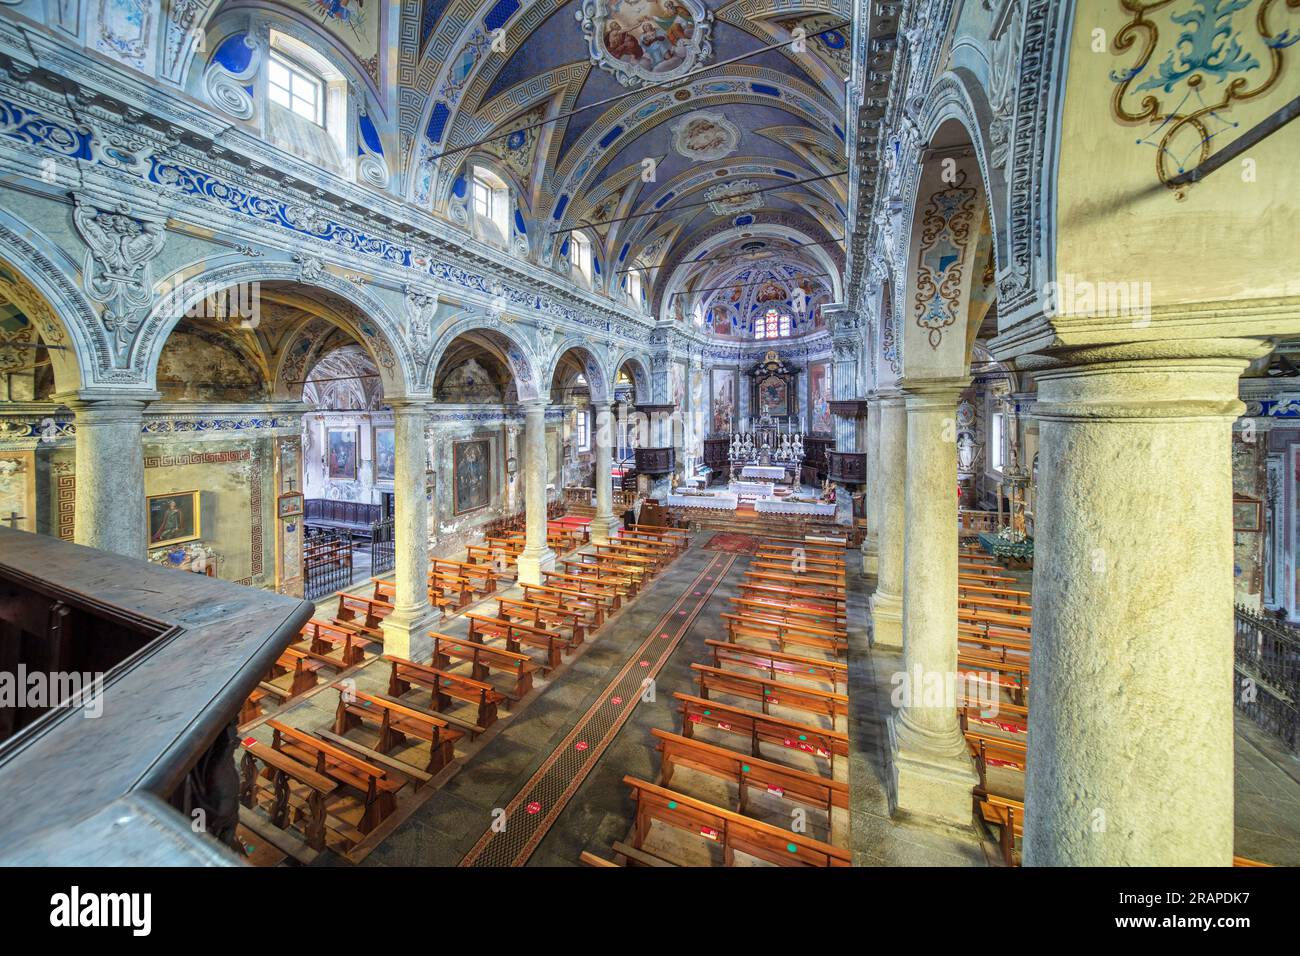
(748, 662)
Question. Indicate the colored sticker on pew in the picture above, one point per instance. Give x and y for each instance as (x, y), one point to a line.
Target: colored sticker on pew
(708, 833)
(723, 725)
(249, 741)
(776, 791)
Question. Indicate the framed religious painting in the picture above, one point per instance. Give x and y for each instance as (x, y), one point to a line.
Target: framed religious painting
(341, 453)
(1247, 513)
(773, 396)
(173, 518)
(723, 392)
(471, 476)
(819, 398)
(385, 452)
(289, 505)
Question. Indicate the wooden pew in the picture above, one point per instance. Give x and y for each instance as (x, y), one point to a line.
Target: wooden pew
(379, 793)
(651, 562)
(610, 592)
(516, 635)
(986, 603)
(809, 577)
(484, 660)
(297, 792)
(812, 561)
(784, 632)
(324, 638)
(794, 597)
(747, 771)
(396, 722)
(1008, 815)
(770, 607)
(762, 728)
(680, 535)
(732, 830)
(592, 607)
(779, 663)
(444, 686)
(544, 617)
(797, 585)
(300, 668)
(606, 575)
(362, 615)
(499, 559)
(1011, 622)
(768, 692)
(610, 565)
(482, 579)
(1006, 594)
(964, 577)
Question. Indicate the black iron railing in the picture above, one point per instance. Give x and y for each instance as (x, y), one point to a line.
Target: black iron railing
(1267, 675)
(327, 564)
(383, 553)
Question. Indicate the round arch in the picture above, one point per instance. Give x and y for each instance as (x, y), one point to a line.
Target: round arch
(638, 366)
(592, 364)
(51, 300)
(504, 336)
(354, 309)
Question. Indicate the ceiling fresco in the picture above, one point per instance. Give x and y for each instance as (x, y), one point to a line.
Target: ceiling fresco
(647, 123)
(669, 132)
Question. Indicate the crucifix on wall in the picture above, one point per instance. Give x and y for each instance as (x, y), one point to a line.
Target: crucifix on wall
(12, 520)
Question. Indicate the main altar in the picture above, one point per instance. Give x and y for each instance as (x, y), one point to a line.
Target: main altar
(769, 446)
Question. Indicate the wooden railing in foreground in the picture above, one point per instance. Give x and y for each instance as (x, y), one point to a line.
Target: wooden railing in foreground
(114, 775)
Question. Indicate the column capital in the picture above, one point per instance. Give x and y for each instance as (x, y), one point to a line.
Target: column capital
(1143, 381)
(408, 408)
(934, 393)
(107, 397)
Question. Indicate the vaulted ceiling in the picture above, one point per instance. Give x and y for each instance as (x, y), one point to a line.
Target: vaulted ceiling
(649, 124)
(699, 142)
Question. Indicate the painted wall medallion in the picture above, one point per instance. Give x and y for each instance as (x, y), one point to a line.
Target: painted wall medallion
(726, 198)
(646, 41)
(705, 135)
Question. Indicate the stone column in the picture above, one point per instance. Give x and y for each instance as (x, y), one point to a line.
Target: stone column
(932, 767)
(871, 542)
(406, 630)
(887, 600)
(110, 498)
(604, 522)
(1131, 744)
(536, 556)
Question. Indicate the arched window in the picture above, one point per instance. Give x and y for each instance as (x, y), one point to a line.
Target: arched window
(580, 256)
(772, 325)
(634, 287)
(306, 103)
(490, 206)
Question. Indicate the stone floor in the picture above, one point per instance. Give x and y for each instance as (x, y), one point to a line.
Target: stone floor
(598, 812)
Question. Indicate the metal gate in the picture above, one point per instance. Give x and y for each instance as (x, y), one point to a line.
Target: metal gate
(383, 553)
(327, 565)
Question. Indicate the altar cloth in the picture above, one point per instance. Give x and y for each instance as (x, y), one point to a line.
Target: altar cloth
(768, 472)
(778, 506)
